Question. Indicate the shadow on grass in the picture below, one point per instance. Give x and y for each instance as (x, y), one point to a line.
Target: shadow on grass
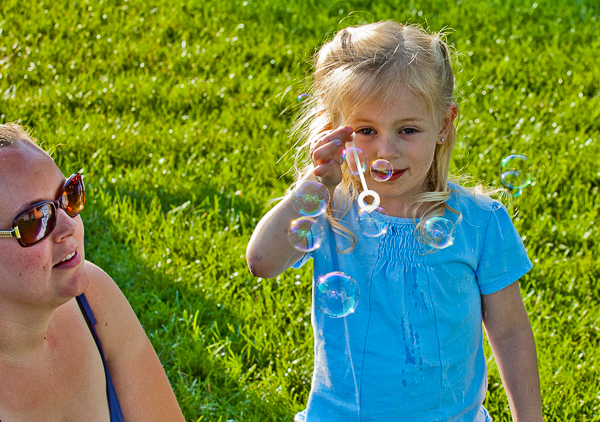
(194, 334)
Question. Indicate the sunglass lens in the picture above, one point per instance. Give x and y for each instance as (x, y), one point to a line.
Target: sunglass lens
(74, 196)
(35, 224)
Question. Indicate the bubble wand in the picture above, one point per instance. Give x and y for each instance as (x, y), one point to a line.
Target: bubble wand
(366, 191)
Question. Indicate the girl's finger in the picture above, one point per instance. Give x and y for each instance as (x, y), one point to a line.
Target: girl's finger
(322, 139)
(324, 169)
(331, 145)
(329, 151)
(343, 133)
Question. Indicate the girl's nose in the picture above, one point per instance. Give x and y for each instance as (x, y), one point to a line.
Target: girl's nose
(388, 147)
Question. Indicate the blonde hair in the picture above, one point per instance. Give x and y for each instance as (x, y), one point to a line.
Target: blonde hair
(373, 62)
(12, 134)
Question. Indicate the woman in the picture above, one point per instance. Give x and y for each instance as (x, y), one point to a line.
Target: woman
(71, 347)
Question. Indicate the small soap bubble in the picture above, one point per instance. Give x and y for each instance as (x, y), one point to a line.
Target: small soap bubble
(310, 198)
(336, 294)
(515, 193)
(516, 171)
(298, 232)
(370, 225)
(438, 232)
(511, 193)
(349, 158)
(381, 170)
(303, 97)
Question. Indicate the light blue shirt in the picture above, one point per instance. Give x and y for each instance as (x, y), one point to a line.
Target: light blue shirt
(412, 350)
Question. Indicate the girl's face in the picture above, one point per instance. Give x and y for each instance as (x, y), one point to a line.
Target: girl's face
(404, 133)
(34, 276)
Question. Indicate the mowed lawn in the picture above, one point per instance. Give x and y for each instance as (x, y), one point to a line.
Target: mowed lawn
(178, 114)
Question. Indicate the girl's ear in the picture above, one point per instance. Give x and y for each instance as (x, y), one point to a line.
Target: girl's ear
(448, 120)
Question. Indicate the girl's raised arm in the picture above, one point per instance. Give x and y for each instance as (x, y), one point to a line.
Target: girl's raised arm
(269, 252)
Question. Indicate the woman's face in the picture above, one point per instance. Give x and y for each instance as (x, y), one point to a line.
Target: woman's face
(38, 275)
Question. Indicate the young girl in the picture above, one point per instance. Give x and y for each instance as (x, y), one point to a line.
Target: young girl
(412, 349)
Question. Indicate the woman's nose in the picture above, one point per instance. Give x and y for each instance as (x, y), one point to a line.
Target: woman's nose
(65, 225)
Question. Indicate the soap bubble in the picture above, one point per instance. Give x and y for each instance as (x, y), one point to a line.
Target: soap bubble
(381, 170)
(369, 225)
(349, 158)
(298, 232)
(303, 97)
(516, 171)
(310, 198)
(336, 294)
(511, 193)
(515, 193)
(438, 232)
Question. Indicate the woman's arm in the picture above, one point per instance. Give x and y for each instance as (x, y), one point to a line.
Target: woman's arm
(509, 333)
(142, 387)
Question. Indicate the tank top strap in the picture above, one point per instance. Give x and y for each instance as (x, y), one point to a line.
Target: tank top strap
(116, 415)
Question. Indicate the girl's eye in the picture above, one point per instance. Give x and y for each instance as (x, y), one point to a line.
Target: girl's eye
(366, 131)
(409, 130)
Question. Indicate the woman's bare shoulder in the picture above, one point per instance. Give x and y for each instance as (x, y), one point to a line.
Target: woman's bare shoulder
(140, 381)
(115, 319)
(99, 279)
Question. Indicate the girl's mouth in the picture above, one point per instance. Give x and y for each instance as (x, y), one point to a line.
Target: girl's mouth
(396, 175)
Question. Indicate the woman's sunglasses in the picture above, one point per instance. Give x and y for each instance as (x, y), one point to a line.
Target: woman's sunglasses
(38, 221)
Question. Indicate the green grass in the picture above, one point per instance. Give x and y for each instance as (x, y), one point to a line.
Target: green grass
(177, 113)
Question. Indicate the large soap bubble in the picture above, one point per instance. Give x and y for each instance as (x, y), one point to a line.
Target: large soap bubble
(438, 232)
(298, 233)
(369, 225)
(349, 157)
(381, 170)
(336, 294)
(310, 198)
(516, 171)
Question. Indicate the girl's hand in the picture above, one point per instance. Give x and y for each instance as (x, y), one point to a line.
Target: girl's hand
(327, 156)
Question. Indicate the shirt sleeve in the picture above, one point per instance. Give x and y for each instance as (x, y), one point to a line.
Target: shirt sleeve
(310, 238)
(307, 255)
(503, 258)
(302, 260)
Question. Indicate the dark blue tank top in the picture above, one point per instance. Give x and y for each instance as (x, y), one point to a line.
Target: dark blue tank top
(113, 401)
